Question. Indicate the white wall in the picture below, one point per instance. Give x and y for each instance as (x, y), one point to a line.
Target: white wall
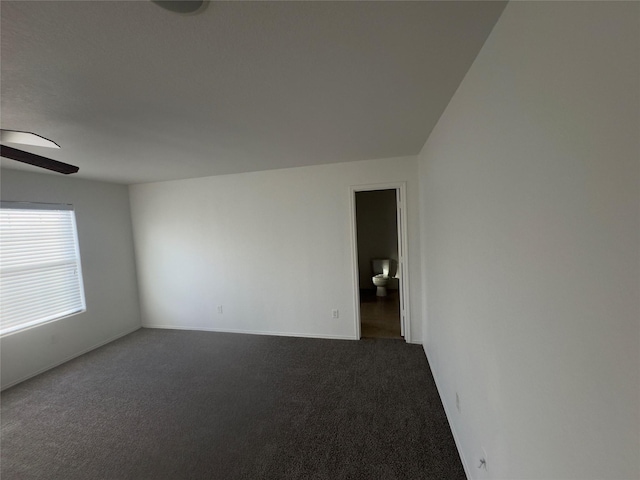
(273, 248)
(530, 215)
(108, 267)
(377, 227)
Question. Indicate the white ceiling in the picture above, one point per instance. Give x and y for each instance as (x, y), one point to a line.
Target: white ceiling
(133, 93)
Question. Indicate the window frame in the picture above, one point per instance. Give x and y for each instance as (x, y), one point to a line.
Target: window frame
(77, 285)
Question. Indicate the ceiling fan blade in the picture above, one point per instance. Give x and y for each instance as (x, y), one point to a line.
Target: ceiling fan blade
(37, 160)
(26, 138)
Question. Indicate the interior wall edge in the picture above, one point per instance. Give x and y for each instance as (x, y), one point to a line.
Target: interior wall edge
(250, 332)
(69, 358)
(445, 406)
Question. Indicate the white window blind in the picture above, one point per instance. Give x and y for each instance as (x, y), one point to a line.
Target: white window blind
(40, 272)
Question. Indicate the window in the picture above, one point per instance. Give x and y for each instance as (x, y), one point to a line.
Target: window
(40, 274)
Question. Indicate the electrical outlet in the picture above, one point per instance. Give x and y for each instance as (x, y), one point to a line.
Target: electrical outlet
(219, 308)
(458, 403)
(335, 313)
(482, 461)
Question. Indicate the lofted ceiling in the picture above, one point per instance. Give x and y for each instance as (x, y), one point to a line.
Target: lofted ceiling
(134, 93)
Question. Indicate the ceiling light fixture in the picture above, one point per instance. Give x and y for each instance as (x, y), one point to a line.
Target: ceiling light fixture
(28, 138)
(184, 7)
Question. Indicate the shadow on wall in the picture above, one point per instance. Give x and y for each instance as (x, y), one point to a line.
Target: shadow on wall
(377, 230)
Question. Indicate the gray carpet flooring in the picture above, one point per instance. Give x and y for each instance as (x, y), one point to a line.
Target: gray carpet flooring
(163, 404)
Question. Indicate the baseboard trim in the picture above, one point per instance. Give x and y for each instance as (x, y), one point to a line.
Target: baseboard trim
(66, 359)
(465, 464)
(250, 332)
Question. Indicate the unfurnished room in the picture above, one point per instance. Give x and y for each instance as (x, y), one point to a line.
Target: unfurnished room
(320, 240)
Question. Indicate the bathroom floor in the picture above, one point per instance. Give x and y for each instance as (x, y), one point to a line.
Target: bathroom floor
(379, 316)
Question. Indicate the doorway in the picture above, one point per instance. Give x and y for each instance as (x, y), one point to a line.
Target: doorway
(379, 250)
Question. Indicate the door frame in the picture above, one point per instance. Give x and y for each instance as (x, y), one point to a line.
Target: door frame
(403, 253)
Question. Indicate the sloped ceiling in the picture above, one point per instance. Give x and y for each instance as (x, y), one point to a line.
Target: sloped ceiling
(134, 93)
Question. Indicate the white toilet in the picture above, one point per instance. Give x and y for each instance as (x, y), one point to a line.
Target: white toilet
(381, 275)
